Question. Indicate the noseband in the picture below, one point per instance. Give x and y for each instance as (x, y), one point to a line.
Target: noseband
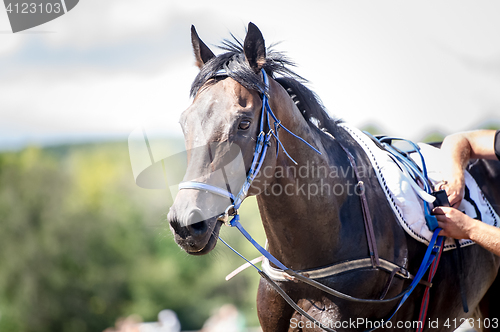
(261, 147)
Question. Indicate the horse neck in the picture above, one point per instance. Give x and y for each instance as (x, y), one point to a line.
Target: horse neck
(300, 209)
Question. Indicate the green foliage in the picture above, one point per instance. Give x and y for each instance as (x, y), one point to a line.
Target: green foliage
(82, 245)
(373, 129)
(433, 137)
(491, 125)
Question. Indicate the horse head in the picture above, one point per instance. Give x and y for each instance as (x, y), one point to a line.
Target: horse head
(220, 129)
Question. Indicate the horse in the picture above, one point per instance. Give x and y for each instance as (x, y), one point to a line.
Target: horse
(308, 230)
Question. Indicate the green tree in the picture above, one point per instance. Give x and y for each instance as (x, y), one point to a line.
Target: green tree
(81, 245)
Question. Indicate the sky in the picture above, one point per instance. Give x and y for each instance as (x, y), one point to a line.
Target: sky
(107, 67)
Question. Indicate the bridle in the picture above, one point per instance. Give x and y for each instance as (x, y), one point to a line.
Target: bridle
(261, 147)
(231, 218)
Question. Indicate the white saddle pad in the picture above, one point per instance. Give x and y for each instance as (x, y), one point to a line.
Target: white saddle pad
(406, 204)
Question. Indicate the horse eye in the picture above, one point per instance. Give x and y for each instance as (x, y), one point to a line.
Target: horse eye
(244, 125)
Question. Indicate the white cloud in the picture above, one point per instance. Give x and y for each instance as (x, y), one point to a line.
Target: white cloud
(107, 65)
(115, 104)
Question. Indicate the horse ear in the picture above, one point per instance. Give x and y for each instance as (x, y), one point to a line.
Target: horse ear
(201, 51)
(255, 48)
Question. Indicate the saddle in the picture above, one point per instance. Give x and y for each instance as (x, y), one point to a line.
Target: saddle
(474, 203)
(405, 191)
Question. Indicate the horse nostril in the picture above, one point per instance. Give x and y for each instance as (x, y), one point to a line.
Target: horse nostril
(198, 228)
(195, 217)
(196, 223)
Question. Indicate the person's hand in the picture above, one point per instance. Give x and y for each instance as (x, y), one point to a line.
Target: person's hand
(454, 189)
(454, 223)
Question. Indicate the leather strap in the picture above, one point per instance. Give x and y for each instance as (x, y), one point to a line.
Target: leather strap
(332, 270)
(370, 235)
(293, 304)
(461, 275)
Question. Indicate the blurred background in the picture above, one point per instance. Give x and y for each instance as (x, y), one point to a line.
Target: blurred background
(82, 247)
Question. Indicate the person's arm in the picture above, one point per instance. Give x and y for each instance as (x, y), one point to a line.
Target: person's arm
(458, 149)
(458, 225)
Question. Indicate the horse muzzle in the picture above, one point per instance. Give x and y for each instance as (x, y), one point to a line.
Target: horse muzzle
(193, 232)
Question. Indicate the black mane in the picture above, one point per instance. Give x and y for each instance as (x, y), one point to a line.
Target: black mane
(277, 65)
(309, 104)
